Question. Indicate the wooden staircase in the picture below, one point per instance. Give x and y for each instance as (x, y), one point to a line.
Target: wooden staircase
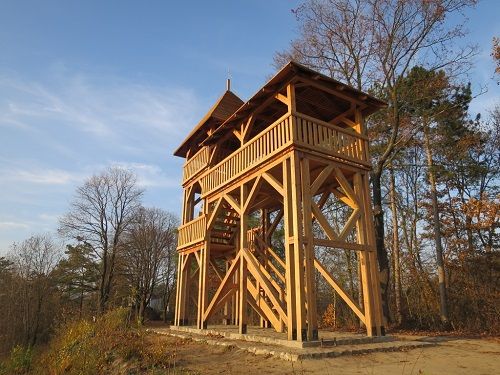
(225, 229)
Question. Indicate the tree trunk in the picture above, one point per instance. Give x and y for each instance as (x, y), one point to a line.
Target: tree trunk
(101, 303)
(395, 249)
(142, 311)
(383, 260)
(437, 231)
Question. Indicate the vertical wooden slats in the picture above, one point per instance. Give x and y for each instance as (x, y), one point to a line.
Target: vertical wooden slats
(191, 232)
(198, 162)
(269, 141)
(332, 139)
(308, 132)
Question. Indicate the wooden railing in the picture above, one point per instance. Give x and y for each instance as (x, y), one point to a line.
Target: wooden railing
(191, 232)
(308, 132)
(197, 163)
(266, 144)
(331, 139)
(252, 235)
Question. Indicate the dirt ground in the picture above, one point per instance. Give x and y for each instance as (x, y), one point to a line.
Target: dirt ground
(452, 355)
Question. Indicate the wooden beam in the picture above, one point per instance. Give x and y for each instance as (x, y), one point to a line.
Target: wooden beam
(234, 204)
(271, 251)
(248, 128)
(197, 256)
(214, 214)
(310, 285)
(222, 285)
(335, 120)
(333, 92)
(341, 292)
(242, 295)
(238, 135)
(346, 186)
(273, 182)
(265, 283)
(275, 223)
(262, 307)
(297, 243)
(185, 262)
(229, 291)
(216, 270)
(323, 175)
(251, 194)
(344, 198)
(349, 226)
(291, 319)
(290, 93)
(323, 222)
(282, 98)
(343, 245)
(323, 199)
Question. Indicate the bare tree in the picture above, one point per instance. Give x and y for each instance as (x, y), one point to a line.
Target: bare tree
(99, 215)
(371, 44)
(495, 53)
(149, 248)
(33, 261)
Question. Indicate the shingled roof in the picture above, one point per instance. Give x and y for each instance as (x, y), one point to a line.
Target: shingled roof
(293, 70)
(225, 106)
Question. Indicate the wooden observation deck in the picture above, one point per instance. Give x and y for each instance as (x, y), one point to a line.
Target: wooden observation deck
(256, 179)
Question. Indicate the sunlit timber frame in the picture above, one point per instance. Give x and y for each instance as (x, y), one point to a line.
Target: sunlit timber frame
(279, 158)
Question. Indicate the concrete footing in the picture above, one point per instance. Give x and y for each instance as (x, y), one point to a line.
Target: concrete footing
(262, 341)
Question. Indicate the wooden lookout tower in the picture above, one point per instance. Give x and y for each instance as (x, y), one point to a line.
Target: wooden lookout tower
(256, 181)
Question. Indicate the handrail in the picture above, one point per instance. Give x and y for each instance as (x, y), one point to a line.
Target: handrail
(274, 138)
(330, 125)
(299, 129)
(196, 163)
(191, 232)
(324, 137)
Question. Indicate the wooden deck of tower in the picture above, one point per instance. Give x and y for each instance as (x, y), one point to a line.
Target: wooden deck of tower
(273, 162)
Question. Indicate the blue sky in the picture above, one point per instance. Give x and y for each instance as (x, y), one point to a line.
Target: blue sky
(88, 84)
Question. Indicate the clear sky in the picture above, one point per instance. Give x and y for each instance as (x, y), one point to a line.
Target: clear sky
(88, 84)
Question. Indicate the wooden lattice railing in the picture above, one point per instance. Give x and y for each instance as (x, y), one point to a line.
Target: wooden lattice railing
(197, 163)
(191, 232)
(322, 136)
(269, 142)
(308, 132)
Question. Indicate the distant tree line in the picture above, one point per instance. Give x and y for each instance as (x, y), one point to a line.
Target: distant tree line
(117, 253)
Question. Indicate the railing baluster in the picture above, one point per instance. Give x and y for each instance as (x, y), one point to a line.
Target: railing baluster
(306, 131)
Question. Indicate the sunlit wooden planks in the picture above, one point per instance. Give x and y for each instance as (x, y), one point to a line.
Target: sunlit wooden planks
(191, 232)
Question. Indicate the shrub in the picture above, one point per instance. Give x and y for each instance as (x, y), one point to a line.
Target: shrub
(19, 362)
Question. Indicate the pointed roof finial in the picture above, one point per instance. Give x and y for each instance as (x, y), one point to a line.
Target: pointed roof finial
(228, 82)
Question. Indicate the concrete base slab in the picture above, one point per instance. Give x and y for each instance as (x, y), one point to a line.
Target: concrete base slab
(270, 336)
(288, 350)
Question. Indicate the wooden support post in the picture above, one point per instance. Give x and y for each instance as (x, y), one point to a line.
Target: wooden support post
(364, 259)
(312, 320)
(183, 289)
(297, 245)
(227, 309)
(235, 300)
(201, 288)
(379, 318)
(242, 316)
(178, 289)
(289, 256)
(263, 226)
